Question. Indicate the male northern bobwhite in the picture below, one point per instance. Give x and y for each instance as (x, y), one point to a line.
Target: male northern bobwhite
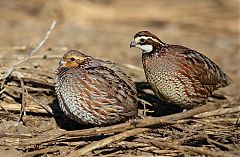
(176, 73)
(92, 91)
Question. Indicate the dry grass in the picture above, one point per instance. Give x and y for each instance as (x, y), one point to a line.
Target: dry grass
(28, 101)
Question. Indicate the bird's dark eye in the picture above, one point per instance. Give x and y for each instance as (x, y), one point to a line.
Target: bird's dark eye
(72, 59)
(142, 40)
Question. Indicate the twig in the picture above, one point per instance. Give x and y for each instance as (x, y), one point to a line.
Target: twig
(197, 150)
(147, 122)
(218, 112)
(106, 141)
(134, 132)
(31, 77)
(39, 152)
(208, 123)
(30, 108)
(8, 113)
(211, 141)
(144, 103)
(47, 108)
(3, 108)
(237, 121)
(192, 137)
(9, 71)
(22, 111)
(2, 91)
(15, 135)
(17, 107)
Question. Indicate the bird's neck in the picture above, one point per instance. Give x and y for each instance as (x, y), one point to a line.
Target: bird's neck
(157, 48)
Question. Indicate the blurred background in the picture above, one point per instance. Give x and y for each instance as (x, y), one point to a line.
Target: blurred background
(105, 28)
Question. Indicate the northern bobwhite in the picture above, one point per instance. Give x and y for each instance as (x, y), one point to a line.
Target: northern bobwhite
(92, 91)
(177, 74)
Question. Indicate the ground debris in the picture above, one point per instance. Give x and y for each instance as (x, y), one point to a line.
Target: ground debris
(43, 129)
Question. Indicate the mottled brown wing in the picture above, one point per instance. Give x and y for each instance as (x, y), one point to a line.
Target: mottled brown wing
(205, 70)
(116, 84)
(120, 74)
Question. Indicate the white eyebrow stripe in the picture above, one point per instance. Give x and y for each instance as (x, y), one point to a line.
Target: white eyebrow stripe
(137, 40)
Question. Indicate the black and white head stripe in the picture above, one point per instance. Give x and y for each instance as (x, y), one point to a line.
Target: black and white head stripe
(148, 35)
(145, 41)
(141, 39)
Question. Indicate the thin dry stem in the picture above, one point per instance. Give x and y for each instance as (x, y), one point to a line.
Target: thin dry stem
(121, 127)
(9, 71)
(106, 141)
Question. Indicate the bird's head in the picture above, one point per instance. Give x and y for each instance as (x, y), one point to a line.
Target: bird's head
(145, 41)
(73, 58)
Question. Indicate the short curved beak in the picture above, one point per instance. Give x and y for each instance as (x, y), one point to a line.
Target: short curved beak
(62, 63)
(133, 44)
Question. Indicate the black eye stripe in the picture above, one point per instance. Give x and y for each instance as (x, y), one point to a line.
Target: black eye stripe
(142, 40)
(72, 59)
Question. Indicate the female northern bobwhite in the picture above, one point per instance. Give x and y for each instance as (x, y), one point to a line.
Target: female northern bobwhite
(92, 91)
(178, 74)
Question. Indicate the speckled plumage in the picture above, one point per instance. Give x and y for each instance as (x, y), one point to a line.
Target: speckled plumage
(178, 74)
(93, 91)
